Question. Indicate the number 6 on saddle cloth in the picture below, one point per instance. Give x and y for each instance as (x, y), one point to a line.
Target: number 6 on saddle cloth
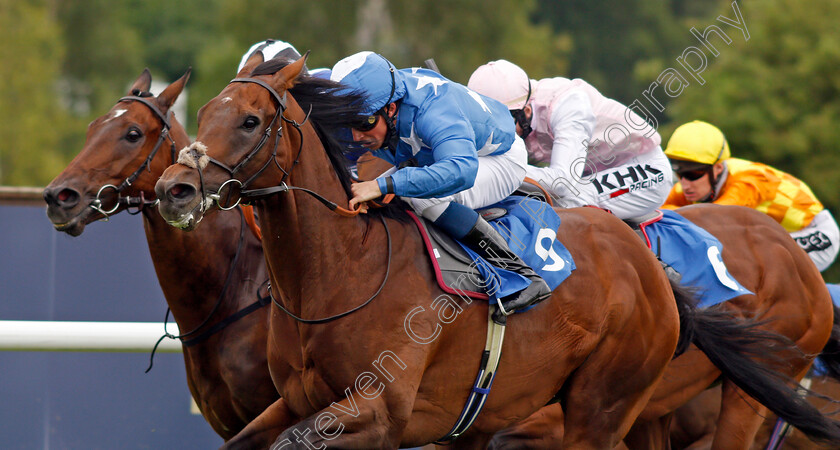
(695, 254)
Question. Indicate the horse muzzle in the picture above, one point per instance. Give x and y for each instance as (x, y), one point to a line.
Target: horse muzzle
(180, 204)
(66, 210)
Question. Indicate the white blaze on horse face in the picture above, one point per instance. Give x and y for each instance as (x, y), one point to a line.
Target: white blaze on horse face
(117, 113)
(226, 99)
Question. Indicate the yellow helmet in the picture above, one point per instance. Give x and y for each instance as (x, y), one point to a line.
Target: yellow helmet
(699, 142)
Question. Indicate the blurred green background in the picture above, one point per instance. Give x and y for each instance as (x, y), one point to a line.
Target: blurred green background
(776, 95)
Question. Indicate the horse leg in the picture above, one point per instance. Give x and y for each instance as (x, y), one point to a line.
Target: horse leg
(739, 420)
(541, 430)
(694, 423)
(650, 435)
(361, 420)
(604, 396)
(262, 431)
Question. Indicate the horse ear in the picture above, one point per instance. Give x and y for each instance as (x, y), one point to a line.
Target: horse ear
(253, 61)
(285, 77)
(142, 84)
(167, 98)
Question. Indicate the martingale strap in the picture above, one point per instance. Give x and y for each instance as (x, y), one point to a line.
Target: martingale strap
(483, 381)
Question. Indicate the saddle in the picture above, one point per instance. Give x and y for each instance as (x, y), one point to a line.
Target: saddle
(638, 225)
(531, 188)
(452, 265)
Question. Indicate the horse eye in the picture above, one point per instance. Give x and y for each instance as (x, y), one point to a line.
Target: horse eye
(250, 123)
(133, 135)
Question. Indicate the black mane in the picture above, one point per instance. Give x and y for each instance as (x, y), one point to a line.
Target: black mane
(333, 109)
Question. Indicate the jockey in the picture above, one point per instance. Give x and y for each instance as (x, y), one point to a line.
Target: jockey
(273, 48)
(598, 151)
(700, 156)
(453, 151)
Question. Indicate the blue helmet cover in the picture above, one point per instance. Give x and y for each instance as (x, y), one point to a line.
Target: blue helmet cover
(372, 75)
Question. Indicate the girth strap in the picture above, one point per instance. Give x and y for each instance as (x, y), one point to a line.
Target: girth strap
(483, 381)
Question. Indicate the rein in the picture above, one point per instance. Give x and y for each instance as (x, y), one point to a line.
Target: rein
(261, 301)
(283, 187)
(350, 311)
(139, 202)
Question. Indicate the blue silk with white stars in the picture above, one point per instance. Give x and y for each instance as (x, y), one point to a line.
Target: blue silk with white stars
(445, 127)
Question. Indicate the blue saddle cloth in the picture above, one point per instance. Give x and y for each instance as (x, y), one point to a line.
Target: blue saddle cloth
(818, 369)
(834, 290)
(530, 227)
(696, 255)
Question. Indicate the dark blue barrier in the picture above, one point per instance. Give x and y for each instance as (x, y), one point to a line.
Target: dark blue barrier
(87, 400)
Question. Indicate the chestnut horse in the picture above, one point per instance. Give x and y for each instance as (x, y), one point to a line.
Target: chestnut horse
(746, 235)
(790, 298)
(599, 344)
(209, 278)
(694, 424)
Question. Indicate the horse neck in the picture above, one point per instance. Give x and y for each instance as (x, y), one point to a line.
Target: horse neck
(192, 267)
(311, 242)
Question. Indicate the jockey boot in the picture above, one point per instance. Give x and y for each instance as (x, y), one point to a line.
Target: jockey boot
(492, 246)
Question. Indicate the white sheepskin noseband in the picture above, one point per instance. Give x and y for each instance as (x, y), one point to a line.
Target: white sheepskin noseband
(194, 156)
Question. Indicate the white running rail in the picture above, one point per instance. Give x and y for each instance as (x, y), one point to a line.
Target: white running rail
(65, 336)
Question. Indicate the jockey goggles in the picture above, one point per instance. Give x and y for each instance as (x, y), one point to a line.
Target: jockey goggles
(367, 123)
(519, 115)
(690, 170)
(692, 175)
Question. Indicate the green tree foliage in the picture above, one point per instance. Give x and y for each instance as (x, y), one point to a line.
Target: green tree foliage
(173, 32)
(31, 121)
(610, 38)
(777, 96)
(468, 33)
(460, 36)
(103, 53)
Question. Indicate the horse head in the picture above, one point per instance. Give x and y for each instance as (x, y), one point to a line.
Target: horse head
(124, 153)
(240, 137)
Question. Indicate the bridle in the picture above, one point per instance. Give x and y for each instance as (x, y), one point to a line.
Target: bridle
(192, 338)
(283, 187)
(140, 202)
(264, 192)
(266, 135)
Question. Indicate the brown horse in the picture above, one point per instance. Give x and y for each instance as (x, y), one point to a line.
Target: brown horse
(599, 344)
(693, 426)
(790, 298)
(209, 278)
(567, 342)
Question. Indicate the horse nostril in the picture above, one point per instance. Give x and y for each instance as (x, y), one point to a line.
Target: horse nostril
(181, 191)
(65, 198)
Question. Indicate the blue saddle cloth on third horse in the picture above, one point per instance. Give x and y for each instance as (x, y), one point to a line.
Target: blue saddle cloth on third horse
(696, 255)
